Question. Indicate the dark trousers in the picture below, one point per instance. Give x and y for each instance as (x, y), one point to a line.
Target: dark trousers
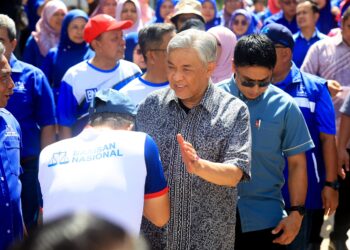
(309, 232)
(342, 215)
(261, 239)
(31, 194)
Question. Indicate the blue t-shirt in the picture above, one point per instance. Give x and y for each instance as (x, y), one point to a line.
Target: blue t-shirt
(301, 46)
(279, 18)
(278, 131)
(32, 104)
(11, 223)
(74, 99)
(312, 96)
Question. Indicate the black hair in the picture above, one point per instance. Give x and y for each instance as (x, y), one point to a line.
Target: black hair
(76, 232)
(255, 50)
(111, 120)
(152, 36)
(314, 5)
(346, 14)
(192, 23)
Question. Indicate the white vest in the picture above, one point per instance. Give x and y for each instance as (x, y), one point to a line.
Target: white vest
(102, 172)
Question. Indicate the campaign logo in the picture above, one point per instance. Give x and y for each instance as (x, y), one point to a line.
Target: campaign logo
(19, 86)
(301, 90)
(90, 94)
(58, 158)
(10, 131)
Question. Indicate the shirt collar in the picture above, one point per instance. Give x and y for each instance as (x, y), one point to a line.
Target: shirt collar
(292, 77)
(339, 39)
(315, 34)
(15, 66)
(205, 102)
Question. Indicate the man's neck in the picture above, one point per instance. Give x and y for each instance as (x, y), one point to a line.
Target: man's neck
(103, 63)
(282, 76)
(308, 32)
(155, 76)
(288, 18)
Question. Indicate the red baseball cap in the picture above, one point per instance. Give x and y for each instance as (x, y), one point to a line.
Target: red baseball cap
(102, 23)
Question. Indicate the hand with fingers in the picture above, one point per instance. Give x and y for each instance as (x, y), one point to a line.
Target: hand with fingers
(189, 154)
(289, 227)
(329, 200)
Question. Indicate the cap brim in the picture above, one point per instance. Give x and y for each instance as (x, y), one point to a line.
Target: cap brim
(187, 11)
(120, 25)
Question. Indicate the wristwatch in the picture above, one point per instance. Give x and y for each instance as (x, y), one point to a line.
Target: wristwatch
(300, 209)
(332, 184)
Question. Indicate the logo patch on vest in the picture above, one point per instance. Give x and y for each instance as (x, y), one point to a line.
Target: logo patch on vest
(301, 90)
(58, 158)
(89, 94)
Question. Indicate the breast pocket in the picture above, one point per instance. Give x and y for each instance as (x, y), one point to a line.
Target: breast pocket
(12, 149)
(266, 136)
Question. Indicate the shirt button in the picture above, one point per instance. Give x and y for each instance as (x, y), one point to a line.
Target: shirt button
(6, 204)
(2, 178)
(8, 231)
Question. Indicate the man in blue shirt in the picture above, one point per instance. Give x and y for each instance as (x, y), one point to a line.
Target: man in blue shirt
(11, 225)
(307, 16)
(286, 16)
(278, 131)
(313, 98)
(33, 106)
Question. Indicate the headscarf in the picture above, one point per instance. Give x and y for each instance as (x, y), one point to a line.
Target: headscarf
(160, 19)
(131, 41)
(326, 21)
(216, 20)
(227, 40)
(147, 13)
(138, 24)
(98, 9)
(44, 35)
(248, 17)
(68, 53)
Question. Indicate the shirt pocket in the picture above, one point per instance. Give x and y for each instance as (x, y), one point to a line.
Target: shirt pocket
(266, 136)
(12, 152)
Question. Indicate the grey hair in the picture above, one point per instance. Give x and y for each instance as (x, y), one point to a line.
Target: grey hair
(204, 43)
(7, 23)
(111, 120)
(2, 49)
(152, 36)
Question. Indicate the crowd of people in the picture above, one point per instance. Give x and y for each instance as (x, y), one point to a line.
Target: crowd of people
(195, 125)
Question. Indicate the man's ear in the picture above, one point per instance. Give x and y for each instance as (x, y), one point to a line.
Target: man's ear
(13, 44)
(233, 66)
(210, 68)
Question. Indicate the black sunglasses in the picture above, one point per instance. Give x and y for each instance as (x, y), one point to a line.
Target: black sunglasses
(251, 84)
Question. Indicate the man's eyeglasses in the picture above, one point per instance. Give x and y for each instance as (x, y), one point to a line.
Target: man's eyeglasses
(251, 84)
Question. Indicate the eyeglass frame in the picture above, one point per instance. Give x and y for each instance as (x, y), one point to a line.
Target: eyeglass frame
(251, 84)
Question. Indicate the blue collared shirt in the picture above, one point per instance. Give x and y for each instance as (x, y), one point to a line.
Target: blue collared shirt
(11, 223)
(32, 104)
(278, 131)
(313, 98)
(279, 18)
(301, 45)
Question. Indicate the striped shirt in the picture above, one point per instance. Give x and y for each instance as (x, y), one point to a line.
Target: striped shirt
(330, 58)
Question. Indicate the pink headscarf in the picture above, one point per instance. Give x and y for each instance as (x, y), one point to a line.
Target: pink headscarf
(44, 35)
(228, 40)
(138, 24)
(146, 11)
(98, 9)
